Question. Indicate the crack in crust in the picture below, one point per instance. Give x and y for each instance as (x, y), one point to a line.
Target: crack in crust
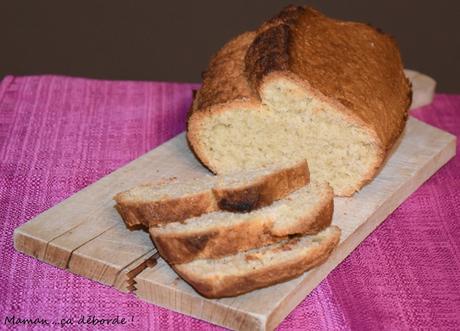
(267, 53)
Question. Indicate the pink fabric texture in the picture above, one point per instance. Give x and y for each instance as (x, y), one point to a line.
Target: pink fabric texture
(59, 134)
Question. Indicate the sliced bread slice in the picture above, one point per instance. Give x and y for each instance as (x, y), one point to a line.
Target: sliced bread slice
(306, 211)
(253, 269)
(151, 204)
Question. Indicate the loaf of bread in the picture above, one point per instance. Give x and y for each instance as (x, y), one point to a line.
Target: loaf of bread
(153, 204)
(306, 211)
(302, 86)
(256, 268)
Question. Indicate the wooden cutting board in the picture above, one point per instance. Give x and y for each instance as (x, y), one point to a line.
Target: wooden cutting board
(85, 235)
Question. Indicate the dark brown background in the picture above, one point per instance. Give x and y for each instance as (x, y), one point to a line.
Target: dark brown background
(173, 40)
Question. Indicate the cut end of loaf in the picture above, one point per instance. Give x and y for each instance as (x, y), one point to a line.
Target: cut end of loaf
(291, 124)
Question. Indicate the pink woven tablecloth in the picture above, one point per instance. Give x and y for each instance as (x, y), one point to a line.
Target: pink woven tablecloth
(59, 134)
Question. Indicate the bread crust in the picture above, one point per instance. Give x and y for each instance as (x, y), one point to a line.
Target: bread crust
(165, 211)
(183, 247)
(255, 194)
(314, 51)
(223, 285)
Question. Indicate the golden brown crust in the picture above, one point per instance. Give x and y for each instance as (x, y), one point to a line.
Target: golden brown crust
(255, 194)
(342, 63)
(182, 247)
(232, 285)
(225, 80)
(153, 213)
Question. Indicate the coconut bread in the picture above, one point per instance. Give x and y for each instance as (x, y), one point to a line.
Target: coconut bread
(302, 86)
(174, 201)
(213, 235)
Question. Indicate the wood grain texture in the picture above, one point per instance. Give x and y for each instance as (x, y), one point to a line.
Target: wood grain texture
(87, 236)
